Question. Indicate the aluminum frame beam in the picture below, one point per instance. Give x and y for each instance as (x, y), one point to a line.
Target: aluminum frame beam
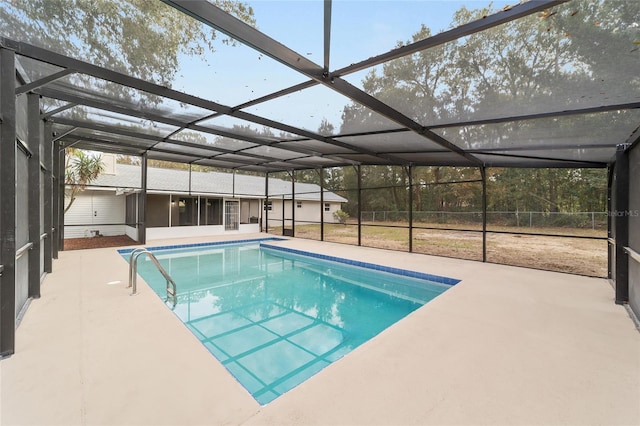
(79, 100)
(499, 18)
(327, 35)
(53, 58)
(43, 81)
(215, 17)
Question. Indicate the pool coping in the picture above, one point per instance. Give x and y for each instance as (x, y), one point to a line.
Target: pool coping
(205, 244)
(374, 266)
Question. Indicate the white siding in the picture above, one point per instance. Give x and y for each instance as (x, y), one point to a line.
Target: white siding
(309, 212)
(90, 210)
(131, 232)
(198, 231)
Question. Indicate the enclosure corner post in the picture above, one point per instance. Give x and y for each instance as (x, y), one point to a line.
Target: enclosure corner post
(7, 202)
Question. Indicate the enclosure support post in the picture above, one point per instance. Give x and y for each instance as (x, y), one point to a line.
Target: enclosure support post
(55, 199)
(283, 205)
(359, 172)
(410, 173)
(622, 224)
(60, 153)
(321, 203)
(293, 203)
(266, 202)
(7, 202)
(483, 174)
(34, 135)
(48, 185)
(611, 237)
(142, 202)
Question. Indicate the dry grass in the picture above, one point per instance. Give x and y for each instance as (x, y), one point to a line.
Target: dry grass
(563, 254)
(568, 254)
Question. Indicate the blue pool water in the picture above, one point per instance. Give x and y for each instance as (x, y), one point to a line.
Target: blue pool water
(275, 317)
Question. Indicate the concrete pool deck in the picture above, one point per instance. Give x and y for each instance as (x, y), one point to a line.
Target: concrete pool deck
(505, 346)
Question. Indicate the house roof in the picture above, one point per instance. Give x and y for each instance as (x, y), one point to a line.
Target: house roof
(214, 183)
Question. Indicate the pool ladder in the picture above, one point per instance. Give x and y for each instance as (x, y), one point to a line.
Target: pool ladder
(133, 274)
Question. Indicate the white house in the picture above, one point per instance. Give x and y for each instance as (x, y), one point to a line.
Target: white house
(180, 203)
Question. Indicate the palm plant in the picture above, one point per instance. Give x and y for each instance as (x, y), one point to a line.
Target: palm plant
(81, 169)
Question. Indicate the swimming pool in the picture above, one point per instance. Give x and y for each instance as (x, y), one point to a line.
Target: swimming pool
(274, 316)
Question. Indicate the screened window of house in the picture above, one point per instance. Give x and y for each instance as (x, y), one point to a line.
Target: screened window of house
(185, 210)
(210, 211)
(157, 211)
(299, 204)
(268, 205)
(327, 207)
(130, 215)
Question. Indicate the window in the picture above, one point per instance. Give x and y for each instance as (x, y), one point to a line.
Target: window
(327, 207)
(157, 211)
(210, 211)
(268, 205)
(131, 216)
(299, 204)
(184, 211)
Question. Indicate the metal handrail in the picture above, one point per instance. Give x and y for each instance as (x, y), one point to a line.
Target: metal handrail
(43, 236)
(133, 274)
(633, 254)
(137, 250)
(22, 250)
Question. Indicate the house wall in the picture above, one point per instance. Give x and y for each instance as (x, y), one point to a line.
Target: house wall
(95, 207)
(309, 211)
(95, 210)
(198, 231)
(131, 232)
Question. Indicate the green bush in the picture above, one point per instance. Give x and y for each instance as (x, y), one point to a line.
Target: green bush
(341, 216)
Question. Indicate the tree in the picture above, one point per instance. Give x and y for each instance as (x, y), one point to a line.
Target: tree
(81, 169)
(530, 65)
(140, 37)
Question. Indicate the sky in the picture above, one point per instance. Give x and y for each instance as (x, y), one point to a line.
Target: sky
(360, 29)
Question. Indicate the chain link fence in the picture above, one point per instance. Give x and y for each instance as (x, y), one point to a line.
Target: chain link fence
(582, 220)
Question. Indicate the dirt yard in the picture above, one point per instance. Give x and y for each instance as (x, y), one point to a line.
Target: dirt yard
(98, 242)
(573, 255)
(563, 254)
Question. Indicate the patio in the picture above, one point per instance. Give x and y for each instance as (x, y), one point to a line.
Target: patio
(505, 346)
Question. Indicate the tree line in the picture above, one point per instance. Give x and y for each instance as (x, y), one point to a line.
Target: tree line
(530, 65)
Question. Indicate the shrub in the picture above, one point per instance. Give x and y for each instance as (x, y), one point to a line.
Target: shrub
(341, 216)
